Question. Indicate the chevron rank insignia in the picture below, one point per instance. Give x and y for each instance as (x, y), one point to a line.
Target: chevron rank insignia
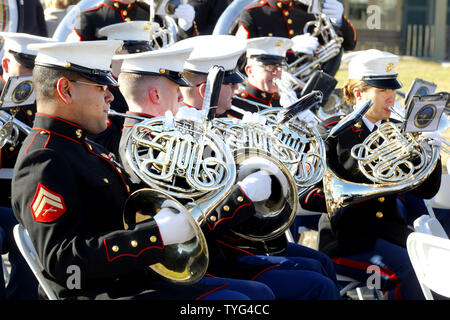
(47, 206)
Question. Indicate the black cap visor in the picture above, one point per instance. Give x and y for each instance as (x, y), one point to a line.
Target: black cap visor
(27, 60)
(174, 76)
(233, 76)
(267, 59)
(95, 75)
(137, 46)
(383, 82)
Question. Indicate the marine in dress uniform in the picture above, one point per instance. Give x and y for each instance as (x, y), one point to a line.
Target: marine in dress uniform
(265, 60)
(17, 60)
(108, 12)
(232, 256)
(160, 74)
(72, 205)
(370, 232)
(287, 19)
(207, 13)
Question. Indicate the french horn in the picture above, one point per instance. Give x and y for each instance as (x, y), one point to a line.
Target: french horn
(307, 142)
(252, 142)
(394, 161)
(185, 162)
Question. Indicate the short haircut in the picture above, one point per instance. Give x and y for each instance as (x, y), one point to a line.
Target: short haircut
(132, 85)
(46, 78)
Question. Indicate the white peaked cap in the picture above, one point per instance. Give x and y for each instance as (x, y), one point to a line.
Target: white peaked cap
(18, 42)
(221, 50)
(166, 62)
(269, 46)
(375, 67)
(136, 30)
(92, 59)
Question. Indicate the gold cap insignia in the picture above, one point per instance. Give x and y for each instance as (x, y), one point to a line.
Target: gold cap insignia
(148, 26)
(389, 67)
(279, 43)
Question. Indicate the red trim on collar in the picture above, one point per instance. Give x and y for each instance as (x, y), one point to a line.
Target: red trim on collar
(54, 117)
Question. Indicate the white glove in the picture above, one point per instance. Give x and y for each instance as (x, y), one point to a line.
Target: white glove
(253, 117)
(173, 226)
(333, 9)
(257, 186)
(305, 43)
(287, 97)
(309, 117)
(185, 14)
(433, 138)
(188, 113)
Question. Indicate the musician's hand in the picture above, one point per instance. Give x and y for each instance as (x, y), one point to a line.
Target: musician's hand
(257, 186)
(253, 117)
(173, 226)
(309, 117)
(188, 113)
(333, 9)
(305, 43)
(433, 138)
(185, 14)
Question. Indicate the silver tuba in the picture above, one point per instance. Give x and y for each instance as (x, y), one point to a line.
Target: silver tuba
(304, 66)
(393, 160)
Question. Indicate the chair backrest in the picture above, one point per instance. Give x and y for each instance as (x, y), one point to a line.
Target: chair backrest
(441, 200)
(430, 257)
(28, 251)
(429, 225)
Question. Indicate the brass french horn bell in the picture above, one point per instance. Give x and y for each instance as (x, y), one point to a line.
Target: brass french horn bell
(183, 263)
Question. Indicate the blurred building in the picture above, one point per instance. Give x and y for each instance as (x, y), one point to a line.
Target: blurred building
(406, 27)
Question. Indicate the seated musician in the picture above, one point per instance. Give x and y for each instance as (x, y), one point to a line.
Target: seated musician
(370, 232)
(70, 194)
(238, 257)
(17, 60)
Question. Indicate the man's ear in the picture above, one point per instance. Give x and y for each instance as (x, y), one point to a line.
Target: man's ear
(63, 87)
(201, 90)
(5, 65)
(153, 95)
(248, 69)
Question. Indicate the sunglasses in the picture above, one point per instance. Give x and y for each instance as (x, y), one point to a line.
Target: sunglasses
(272, 67)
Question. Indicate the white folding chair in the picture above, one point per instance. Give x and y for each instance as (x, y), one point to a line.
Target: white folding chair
(28, 251)
(430, 257)
(429, 225)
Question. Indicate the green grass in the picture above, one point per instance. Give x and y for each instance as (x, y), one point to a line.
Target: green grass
(409, 69)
